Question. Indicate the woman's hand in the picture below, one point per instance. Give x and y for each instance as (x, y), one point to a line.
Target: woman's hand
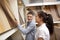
(40, 39)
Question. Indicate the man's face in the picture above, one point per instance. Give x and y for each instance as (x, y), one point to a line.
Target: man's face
(29, 17)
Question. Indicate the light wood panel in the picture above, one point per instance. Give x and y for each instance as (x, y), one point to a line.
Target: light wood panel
(4, 24)
(7, 17)
(53, 11)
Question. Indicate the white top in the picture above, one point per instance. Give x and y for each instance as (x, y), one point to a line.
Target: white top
(43, 32)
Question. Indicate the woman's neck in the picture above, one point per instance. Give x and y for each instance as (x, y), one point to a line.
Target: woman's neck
(40, 23)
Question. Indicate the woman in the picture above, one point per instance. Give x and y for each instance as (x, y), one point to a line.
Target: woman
(45, 26)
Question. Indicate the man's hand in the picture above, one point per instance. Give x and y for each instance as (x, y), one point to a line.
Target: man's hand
(16, 23)
(23, 25)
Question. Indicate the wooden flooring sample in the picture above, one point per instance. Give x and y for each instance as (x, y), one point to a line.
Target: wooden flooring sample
(4, 24)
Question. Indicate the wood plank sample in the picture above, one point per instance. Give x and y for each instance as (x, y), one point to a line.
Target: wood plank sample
(4, 24)
(58, 8)
(21, 14)
(7, 19)
(7, 9)
(52, 10)
(13, 4)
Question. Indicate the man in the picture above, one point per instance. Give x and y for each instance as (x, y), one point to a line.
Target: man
(30, 29)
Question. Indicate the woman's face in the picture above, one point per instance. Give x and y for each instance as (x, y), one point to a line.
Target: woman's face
(37, 18)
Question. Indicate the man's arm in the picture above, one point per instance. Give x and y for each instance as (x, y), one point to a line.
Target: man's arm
(28, 29)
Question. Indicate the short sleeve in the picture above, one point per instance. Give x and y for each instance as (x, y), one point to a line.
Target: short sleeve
(41, 34)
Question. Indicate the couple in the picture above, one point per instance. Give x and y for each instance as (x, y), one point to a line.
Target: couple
(44, 29)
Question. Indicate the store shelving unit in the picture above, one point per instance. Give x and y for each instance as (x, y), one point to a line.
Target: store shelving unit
(57, 22)
(42, 4)
(7, 34)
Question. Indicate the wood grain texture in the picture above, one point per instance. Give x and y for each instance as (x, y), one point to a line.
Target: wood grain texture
(4, 24)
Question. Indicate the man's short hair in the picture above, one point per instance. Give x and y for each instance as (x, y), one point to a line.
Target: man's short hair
(30, 12)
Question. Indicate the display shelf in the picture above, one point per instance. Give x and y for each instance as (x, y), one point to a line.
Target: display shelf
(41, 4)
(56, 21)
(7, 34)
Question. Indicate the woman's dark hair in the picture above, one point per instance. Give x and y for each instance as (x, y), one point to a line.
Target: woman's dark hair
(47, 18)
